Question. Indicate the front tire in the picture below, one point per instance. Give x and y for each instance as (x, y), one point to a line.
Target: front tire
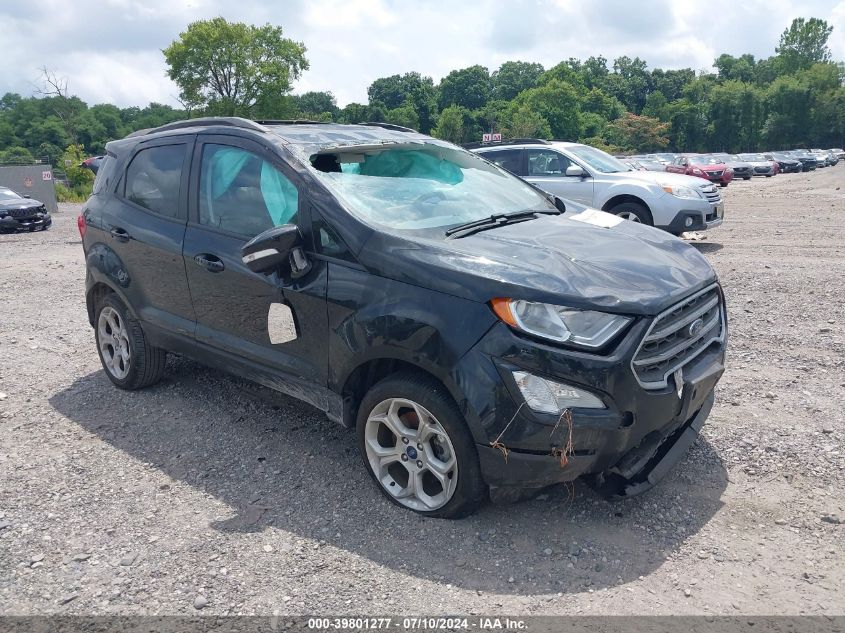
(634, 212)
(129, 360)
(416, 446)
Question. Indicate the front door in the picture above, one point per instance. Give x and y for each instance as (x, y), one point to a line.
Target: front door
(275, 323)
(546, 169)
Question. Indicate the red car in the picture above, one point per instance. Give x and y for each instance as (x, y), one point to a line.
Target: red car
(695, 165)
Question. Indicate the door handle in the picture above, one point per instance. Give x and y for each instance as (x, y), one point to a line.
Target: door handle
(120, 234)
(211, 263)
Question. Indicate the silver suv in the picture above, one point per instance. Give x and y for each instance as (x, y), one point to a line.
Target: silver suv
(589, 176)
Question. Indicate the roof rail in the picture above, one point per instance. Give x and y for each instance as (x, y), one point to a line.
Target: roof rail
(389, 126)
(507, 141)
(229, 121)
(288, 122)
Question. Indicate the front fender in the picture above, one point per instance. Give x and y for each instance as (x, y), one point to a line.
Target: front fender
(373, 318)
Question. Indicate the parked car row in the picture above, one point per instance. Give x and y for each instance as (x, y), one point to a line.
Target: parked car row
(588, 176)
(722, 167)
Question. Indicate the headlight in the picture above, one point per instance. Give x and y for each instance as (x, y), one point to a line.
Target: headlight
(681, 192)
(696, 170)
(548, 396)
(584, 328)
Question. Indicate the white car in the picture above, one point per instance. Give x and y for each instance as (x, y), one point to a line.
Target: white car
(589, 176)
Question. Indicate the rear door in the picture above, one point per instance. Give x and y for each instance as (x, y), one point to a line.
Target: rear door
(546, 168)
(144, 227)
(238, 190)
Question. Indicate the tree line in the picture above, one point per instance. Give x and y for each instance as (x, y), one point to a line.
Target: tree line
(794, 98)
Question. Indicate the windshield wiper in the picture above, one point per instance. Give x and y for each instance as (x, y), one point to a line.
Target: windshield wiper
(497, 219)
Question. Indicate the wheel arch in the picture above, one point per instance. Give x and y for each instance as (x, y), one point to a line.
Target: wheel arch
(627, 197)
(362, 378)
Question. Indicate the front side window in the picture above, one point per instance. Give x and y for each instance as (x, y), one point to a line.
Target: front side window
(422, 186)
(543, 162)
(153, 178)
(242, 193)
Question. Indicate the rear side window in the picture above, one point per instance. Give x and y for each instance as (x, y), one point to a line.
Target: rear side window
(105, 174)
(510, 159)
(153, 179)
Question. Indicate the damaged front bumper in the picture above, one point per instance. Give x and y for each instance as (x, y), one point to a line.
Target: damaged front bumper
(622, 450)
(41, 221)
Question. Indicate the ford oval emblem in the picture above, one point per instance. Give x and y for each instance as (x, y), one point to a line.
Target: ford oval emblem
(695, 327)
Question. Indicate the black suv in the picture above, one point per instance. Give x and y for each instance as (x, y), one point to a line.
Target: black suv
(479, 339)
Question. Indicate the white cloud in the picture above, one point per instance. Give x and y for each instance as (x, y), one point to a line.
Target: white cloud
(110, 49)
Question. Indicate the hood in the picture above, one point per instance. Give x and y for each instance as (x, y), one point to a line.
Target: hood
(20, 203)
(741, 164)
(761, 163)
(628, 269)
(709, 166)
(659, 178)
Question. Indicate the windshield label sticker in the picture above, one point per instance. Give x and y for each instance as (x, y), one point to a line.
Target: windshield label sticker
(280, 324)
(597, 218)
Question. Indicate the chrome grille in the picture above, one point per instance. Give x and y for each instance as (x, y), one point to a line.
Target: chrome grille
(715, 173)
(711, 193)
(675, 337)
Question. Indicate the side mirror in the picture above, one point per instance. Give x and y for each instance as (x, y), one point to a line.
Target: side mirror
(575, 170)
(268, 250)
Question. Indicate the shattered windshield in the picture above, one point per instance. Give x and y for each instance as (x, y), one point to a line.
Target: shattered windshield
(422, 186)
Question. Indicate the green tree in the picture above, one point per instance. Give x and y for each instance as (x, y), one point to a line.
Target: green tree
(467, 87)
(740, 68)
(16, 156)
(525, 123)
(316, 103)
(227, 67)
(557, 102)
(737, 116)
(405, 115)
(638, 133)
(513, 77)
(803, 44)
(394, 91)
(353, 113)
(450, 124)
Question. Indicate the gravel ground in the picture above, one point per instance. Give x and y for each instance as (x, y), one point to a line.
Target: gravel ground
(207, 493)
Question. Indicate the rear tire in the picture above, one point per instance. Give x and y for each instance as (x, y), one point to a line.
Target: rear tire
(129, 360)
(417, 447)
(634, 212)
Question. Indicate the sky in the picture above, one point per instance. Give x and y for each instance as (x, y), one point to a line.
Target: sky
(110, 50)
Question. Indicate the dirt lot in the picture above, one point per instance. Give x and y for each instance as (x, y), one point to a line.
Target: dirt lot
(207, 492)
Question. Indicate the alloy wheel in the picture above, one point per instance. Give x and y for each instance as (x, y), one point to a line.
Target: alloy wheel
(629, 215)
(411, 454)
(113, 339)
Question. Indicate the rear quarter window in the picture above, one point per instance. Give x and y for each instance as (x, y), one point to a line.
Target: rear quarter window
(105, 179)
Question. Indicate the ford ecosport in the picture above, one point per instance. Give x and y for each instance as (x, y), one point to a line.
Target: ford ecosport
(481, 339)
